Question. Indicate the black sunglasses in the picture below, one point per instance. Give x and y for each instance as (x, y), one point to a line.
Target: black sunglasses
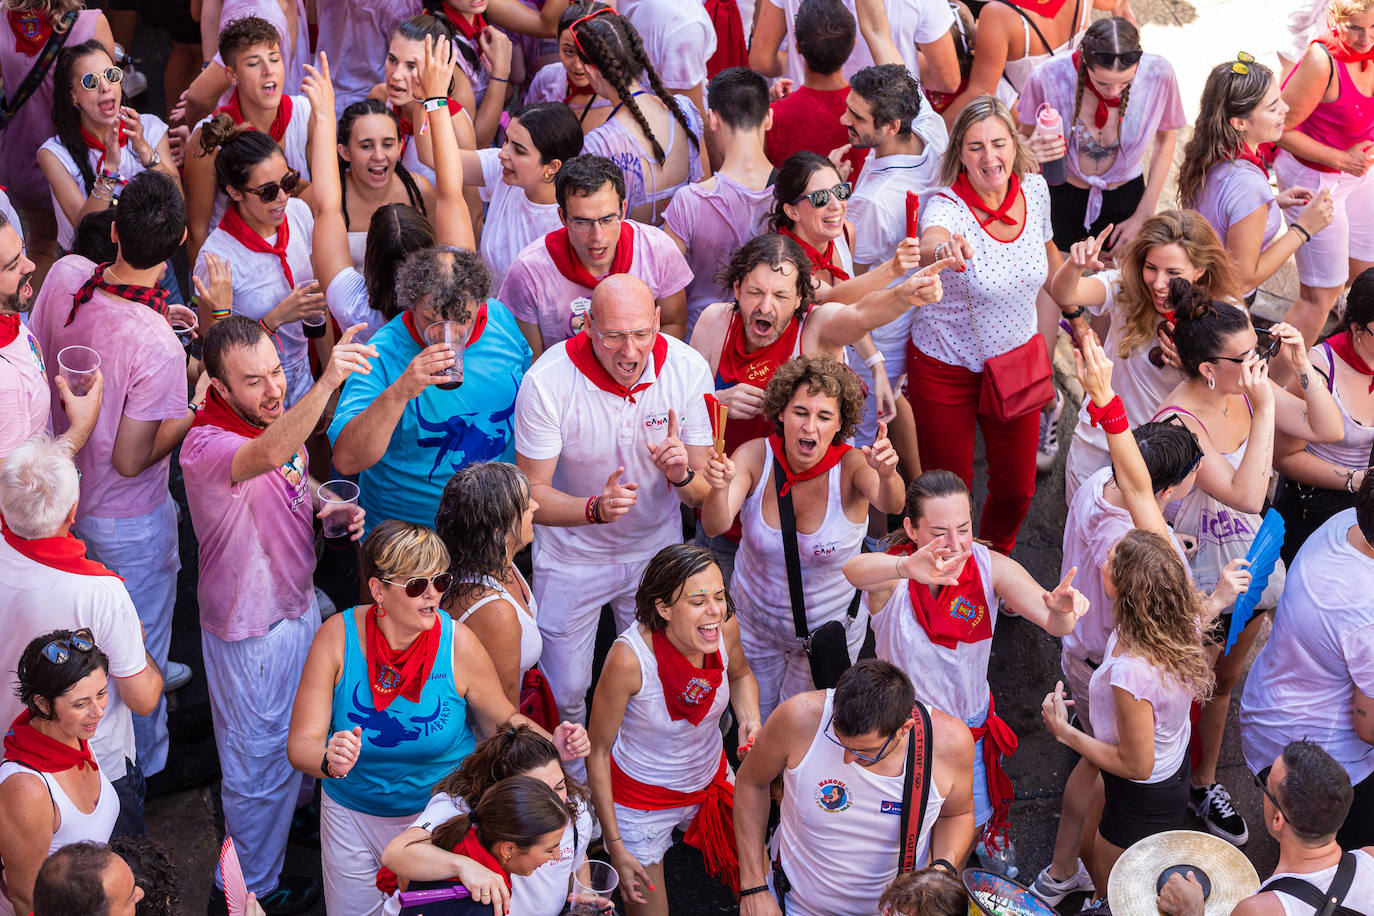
(1265, 351)
(822, 197)
(415, 586)
(1116, 60)
(268, 192)
(59, 650)
(1261, 780)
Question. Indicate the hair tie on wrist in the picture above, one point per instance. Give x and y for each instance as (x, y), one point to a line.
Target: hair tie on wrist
(1111, 417)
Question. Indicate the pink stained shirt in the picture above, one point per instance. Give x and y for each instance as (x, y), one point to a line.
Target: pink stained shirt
(145, 379)
(25, 404)
(354, 34)
(536, 293)
(295, 49)
(257, 536)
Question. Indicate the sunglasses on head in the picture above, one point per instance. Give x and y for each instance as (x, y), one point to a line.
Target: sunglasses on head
(59, 650)
(604, 11)
(91, 81)
(268, 192)
(1115, 60)
(822, 197)
(1242, 62)
(415, 586)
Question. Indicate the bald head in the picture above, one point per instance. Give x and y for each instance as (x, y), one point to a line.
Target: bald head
(624, 325)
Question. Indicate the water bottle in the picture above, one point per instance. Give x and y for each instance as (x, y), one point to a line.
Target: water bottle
(996, 852)
(1048, 122)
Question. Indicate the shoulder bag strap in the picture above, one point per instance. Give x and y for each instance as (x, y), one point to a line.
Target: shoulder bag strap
(41, 66)
(1328, 904)
(915, 787)
(787, 521)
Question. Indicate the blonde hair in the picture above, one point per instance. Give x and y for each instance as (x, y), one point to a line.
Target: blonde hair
(53, 9)
(1340, 10)
(980, 109)
(396, 548)
(1189, 230)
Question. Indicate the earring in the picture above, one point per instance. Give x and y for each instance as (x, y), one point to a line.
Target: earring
(1211, 383)
(548, 177)
(378, 611)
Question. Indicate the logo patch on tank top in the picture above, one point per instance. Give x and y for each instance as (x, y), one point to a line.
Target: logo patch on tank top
(697, 689)
(964, 609)
(890, 807)
(832, 795)
(823, 550)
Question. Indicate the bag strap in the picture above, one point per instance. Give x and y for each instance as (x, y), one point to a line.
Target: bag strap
(41, 66)
(1328, 904)
(919, 751)
(787, 521)
(1036, 29)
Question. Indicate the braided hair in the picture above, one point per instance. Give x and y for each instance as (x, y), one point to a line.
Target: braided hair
(1114, 36)
(350, 115)
(610, 43)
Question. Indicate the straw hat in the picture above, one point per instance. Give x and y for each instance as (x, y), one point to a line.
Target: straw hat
(1224, 871)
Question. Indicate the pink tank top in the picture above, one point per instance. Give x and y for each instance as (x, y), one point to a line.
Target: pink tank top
(1340, 124)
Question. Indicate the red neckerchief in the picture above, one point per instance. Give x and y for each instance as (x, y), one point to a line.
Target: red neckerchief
(1047, 8)
(479, 325)
(580, 352)
(571, 266)
(573, 92)
(67, 553)
(31, 32)
(9, 329)
(94, 142)
(688, 691)
(969, 196)
(819, 260)
(1243, 153)
(218, 412)
(155, 297)
(468, 846)
(1103, 103)
(1346, 350)
(1342, 52)
(959, 613)
(278, 128)
(27, 745)
(469, 30)
(831, 458)
(240, 231)
(737, 365)
(391, 674)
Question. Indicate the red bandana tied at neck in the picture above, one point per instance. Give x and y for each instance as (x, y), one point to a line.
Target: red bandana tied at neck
(832, 457)
(1047, 8)
(688, 691)
(1002, 214)
(241, 232)
(580, 353)
(278, 128)
(1103, 103)
(958, 613)
(1342, 51)
(469, 30)
(218, 412)
(31, 31)
(1345, 349)
(66, 553)
(819, 260)
(94, 142)
(468, 846)
(9, 329)
(1243, 153)
(27, 745)
(571, 266)
(391, 673)
(478, 326)
(155, 297)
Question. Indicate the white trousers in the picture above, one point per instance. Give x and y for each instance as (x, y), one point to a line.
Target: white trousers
(351, 845)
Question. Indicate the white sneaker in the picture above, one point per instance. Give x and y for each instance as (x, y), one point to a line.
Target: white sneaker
(1048, 448)
(1053, 892)
(175, 676)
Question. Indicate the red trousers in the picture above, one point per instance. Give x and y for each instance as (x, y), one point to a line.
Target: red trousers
(944, 399)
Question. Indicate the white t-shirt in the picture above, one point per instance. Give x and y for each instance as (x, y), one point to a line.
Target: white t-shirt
(513, 220)
(912, 22)
(349, 303)
(678, 38)
(1169, 700)
(560, 413)
(39, 599)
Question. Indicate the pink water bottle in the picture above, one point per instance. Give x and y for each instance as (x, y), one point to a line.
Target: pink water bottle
(1048, 123)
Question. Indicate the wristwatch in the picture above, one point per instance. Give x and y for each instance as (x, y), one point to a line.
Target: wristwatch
(154, 162)
(324, 767)
(691, 475)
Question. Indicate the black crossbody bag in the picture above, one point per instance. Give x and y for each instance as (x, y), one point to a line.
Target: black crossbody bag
(916, 787)
(41, 66)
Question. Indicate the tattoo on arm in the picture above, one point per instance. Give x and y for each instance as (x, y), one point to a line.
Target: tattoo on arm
(1302, 380)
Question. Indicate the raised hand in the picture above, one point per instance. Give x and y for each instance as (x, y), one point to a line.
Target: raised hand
(572, 741)
(218, 288)
(133, 133)
(1254, 381)
(841, 164)
(1065, 599)
(319, 88)
(720, 470)
(347, 358)
(670, 455)
(436, 68)
(933, 564)
(616, 498)
(1086, 256)
(1293, 349)
(1094, 370)
(495, 46)
(342, 750)
(881, 456)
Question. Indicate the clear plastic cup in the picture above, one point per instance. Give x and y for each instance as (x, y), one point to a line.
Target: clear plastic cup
(78, 366)
(184, 322)
(338, 499)
(455, 334)
(593, 885)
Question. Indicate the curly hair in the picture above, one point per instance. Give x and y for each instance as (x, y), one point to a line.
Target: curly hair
(1158, 610)
(927, 892)
(153, 871)
(482, 505)
(821, 375)
(980, 109)
(666, 576)
(53, 10)
(1113, 35)
(774, 250)
(452, 280)
(1340, 10)
(1226, 95)
(510, 752)
(1189, 230)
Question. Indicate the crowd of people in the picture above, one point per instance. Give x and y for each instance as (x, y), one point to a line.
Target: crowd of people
(686, 318)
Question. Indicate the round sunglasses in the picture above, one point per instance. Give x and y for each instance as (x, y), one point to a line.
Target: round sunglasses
(91, 81)
(822, 197)
(59, 650)
(415, 586)
(268, 192)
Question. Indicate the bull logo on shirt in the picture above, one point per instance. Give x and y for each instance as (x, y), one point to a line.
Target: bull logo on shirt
(388, 728)
(697, 689)
(467, 437)
(833, 796)
(963, 609)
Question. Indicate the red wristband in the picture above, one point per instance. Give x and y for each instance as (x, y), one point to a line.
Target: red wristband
(1112, 417)
(590, 510)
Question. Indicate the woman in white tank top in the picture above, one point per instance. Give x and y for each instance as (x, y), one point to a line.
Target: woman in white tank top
(657, 759)
(815, 403)
(486, 517)
(48, 768)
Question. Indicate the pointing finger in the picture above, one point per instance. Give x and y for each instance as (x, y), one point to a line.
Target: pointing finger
(1067, 581)
(614, 478)
(672, 423)
(882, 430)
(1101, 236)
(935, 268)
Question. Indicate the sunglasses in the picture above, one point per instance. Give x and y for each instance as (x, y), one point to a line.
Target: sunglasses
(91, 81)
(822, 197)
(1262, 780)
(1242, 62)
(59, 650)
(830, 733)
(415, 586)
(604, 11)
(1115, 60)
(268, 192)
(1265, 351)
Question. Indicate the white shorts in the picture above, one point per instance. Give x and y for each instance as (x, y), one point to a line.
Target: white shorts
(648, 834)
(1324, 262)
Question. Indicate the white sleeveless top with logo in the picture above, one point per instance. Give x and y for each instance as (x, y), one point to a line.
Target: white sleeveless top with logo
(660, 751)
(840, 832)
(1359, 896)
(952, 680)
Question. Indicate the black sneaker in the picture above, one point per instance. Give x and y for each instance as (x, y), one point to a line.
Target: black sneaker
(305, 825)
(294, 894)
(1212, 805)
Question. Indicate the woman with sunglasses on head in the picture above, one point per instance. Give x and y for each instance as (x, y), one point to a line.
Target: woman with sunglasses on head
(1229, 402)
(565, 80)
(388, 704)
(1224, 178)
(100, 143)
(51, 791)
(1117, 103)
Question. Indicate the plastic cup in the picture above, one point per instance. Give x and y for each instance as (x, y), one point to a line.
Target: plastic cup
(593, 885)
(184, 322)
(78, 366)
(338, 499)
(314, 327)
(455, 334)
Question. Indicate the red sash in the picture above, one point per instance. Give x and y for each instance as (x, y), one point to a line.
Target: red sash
(1244, 153)
(278, 128)
(688, 691)
(1103, 103)
(713, 829)
(218, 412)
(1002, 214)
(737, 365)
(731, 48)
(241, 232)
(31, 31)
(67, 553)
(1001, 742)
(571, 266)
(832, 457)
(27, 745)
(580, 352)
(819, 260)
(959, 613)
(1346, 351)
(391, 673)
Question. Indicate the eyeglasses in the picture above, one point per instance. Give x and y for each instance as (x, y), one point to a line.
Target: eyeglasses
(830, 733)
(415, 586)
(604, 11)
(1242, 62)
(1262, 780)
(91, 81)
(585, 223)
(268, 192)
(822, 197)
(1116, 60)
(59, 650)
(1265, 352)
(614, 340)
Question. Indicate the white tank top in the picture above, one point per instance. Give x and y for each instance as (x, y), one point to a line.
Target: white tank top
(531, 643)
(75, 825)
(840, 832)
(952, 680)
(1358, 898)
(760, 578)
(1016, 72)
(660, 751)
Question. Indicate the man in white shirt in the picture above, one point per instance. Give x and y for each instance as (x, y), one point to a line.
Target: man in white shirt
(678, 38)
(48, 583)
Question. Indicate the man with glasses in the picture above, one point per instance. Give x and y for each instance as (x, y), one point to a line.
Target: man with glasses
(549, 285)
(253, 505)
(611, 428)
(842, 755)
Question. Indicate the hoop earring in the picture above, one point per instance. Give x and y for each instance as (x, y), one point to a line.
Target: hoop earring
(1211, 384)
(378, 611)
